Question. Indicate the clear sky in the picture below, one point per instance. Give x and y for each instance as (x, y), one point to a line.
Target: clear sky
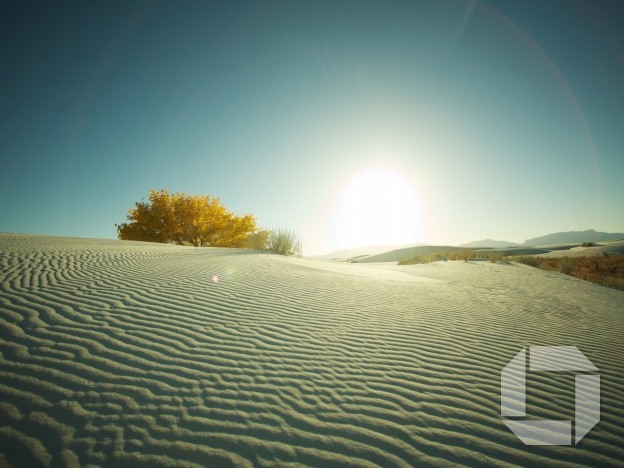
(496, 119)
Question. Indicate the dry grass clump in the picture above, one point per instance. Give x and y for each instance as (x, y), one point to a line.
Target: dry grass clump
(284, 242)
(606, 270)
(495, 257)
(415, 260)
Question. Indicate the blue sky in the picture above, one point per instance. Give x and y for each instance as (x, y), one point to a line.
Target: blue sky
(507, 118)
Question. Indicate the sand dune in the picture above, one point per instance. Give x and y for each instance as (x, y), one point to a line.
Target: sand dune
(615, 247)
(127, 354)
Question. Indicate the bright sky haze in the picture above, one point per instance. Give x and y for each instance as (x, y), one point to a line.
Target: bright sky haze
(351, 122)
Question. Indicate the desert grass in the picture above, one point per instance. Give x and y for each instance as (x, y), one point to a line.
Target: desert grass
(442, 255)
(605, 270)
(465, 255)
(495, 257)
(284, 242)
(416, 260)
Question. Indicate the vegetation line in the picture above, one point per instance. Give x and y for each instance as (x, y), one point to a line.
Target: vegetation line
(605, 270)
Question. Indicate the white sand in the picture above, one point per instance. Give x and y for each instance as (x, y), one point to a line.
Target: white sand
(128, 353)
(598, 248)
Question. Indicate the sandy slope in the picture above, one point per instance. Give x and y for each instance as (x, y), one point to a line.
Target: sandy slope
(599, 248)
(126, 354)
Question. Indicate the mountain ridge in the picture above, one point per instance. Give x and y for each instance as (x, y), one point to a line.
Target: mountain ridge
(395, 253)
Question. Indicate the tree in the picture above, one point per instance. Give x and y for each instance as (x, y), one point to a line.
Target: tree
(198, 220)
(258, 240)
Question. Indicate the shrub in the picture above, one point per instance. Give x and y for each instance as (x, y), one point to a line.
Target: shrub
(437, 256)
(528, 260)
(465, 255)
(495, 257)
(606, 270)
(258, 240)
(565, 266)
(415, 259)
(198, 220)
(284, 242)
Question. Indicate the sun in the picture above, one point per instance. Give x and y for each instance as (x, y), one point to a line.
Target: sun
(379, 207)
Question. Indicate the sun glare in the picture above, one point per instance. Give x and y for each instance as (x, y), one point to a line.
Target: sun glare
(379, 207)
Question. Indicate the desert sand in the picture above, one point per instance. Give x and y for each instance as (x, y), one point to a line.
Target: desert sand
(615, 247)
(136, 354)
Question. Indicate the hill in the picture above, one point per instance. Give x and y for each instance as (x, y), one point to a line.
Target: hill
(407, 252)
(488, 243)
(574, 237)
(347, 255)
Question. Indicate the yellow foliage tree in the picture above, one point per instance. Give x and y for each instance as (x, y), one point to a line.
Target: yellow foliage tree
(258, 240)
(198, 220)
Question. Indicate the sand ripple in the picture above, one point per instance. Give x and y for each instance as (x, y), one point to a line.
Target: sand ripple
(126, 354)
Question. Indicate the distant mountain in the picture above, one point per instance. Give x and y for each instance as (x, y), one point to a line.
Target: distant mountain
(373, 254)
(574, 237)
(489, 243)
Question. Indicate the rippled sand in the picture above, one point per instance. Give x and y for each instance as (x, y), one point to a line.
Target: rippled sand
(127, 354)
